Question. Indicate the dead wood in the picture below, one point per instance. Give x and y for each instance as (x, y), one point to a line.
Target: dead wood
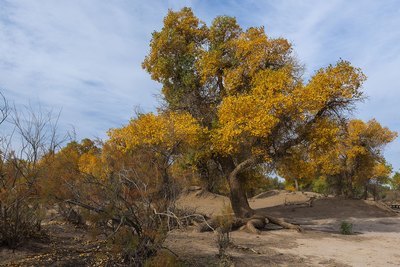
(253, 224)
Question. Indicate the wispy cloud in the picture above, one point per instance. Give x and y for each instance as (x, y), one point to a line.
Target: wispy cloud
(85, 56)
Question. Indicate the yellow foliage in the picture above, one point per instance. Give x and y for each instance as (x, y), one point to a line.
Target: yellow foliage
(162, 132)
(290, 188)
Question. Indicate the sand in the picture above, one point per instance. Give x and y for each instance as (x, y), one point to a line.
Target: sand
(375, 242)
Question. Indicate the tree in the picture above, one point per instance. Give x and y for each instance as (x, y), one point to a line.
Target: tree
(246, 90)
(359, 156)
(348, 155)
(65, 169)
(166, 135)
(395, 181)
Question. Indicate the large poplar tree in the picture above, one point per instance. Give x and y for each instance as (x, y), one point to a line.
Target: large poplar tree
(247, 91)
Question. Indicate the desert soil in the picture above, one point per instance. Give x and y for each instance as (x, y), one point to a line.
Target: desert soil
(375, 242)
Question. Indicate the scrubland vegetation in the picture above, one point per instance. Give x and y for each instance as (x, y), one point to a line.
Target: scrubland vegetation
(236, 112)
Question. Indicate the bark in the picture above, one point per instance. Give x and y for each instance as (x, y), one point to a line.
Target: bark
(253, 224)
(284, 224)
(365, 191)
(239, 202)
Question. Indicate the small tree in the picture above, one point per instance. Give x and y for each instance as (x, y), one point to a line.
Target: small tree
(357, 158)
(165, 135)
(395, 181)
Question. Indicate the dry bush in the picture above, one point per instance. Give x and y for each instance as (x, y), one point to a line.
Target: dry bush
(164, 258)
(21, 208)
(133, 217)
(224, 227)
(71, 214)
(127, 204)
(20, 218)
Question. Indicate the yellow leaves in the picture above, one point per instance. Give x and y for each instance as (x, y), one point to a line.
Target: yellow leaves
(357, 152)
(371, 132)
(209, 64)
(381, 171)
(253, 115)
(270, 82)
(160, 132)
(258, 104)
(90, 163)
(242, 118)
(339, 85)
(254, 52)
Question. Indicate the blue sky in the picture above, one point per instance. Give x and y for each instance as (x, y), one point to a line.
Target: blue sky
(84, 56)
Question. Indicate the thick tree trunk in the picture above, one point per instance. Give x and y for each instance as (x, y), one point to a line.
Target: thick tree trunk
(245, 217)
(296, 184)
(366, 191)
(238, 197)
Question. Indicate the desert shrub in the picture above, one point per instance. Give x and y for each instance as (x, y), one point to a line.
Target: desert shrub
(128, 204)
(20, 210)
(164, 258)
(19, 220)
(21, 170)
(320, 186)
(346, 228)
(224, 227)
(71, 214)
(290, 187)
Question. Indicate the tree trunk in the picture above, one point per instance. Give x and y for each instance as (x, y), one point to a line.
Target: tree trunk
(296, 184)
(166, 189)
(238, 197)
(245, 217)
(366, 191)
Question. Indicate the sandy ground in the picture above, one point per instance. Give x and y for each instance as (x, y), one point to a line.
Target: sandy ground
(375, 242)
(65, 245)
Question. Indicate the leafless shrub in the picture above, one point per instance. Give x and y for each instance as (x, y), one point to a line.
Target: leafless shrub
(33, 136)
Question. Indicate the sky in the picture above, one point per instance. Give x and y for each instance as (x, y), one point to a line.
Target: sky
(84, 56)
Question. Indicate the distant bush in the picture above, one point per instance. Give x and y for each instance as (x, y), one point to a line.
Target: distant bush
(346, 228)
(320, 186)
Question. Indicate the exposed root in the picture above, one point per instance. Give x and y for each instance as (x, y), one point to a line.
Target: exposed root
(253, 224)
(284, 224)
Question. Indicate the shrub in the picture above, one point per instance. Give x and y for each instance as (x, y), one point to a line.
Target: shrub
(346, 228)
(164, 258)
(20, 219)
(224, 227)
(320, 186)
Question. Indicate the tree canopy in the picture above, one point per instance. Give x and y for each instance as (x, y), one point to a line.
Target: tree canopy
(236, 105)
